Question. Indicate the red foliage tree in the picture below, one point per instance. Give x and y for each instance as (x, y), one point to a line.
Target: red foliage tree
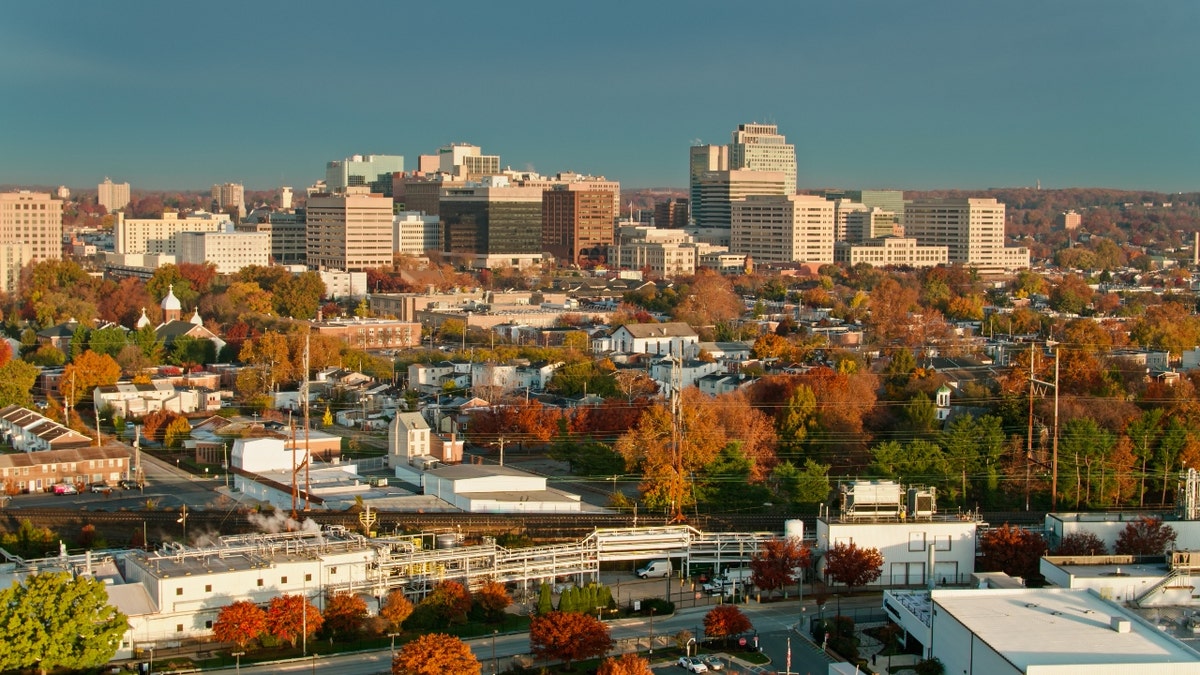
(435, 654)
(155, 424)
(344, 614)
(568, 636)
(1081, 543)
(853, 566)
(493, 599)
(1013, 550)
(239, 623)
(289, 616)
(725, 621)
(450, 601)
(1145, 536)
(779, 563)
(5, 352)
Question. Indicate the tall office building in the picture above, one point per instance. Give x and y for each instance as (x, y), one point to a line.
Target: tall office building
(285, 197)
(760, 147)
(227, 251)
(888, 200)
(783, 228)
(13, 258)
(703, 159)
(842, 208)
(350, 230)
(415, 233)
(577, 223)
(33, 218)
(971, 229)
(718, 189)
(864, 224)
(157, 235)
(228, 196)
(112, 196)
(672, 213)
(492, 218)
(286, 231)
(373, 171)
(467, 161)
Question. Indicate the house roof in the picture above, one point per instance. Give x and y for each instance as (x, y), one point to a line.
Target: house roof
(649, 330)
(465, 471)
(81, 454)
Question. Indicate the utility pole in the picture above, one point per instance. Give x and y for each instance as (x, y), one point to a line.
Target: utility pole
(1029, 450)
(1054, 442)
(501, 451)
(304, 395)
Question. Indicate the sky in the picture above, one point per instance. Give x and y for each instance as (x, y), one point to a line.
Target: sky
(874, 94)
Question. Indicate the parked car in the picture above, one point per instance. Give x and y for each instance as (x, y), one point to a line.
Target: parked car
(65, 489)
(127, 484)
(714, 662)
(692, 664)
(101, 487)
(656, 568)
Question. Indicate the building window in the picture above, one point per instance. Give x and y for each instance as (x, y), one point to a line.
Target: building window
(178, 628)
(282, 580)
(916, 541)
(332, 571)
(941, 542)
(260, 582)
(208, 588)
(208, 624)
(308, 577)
(179, 591)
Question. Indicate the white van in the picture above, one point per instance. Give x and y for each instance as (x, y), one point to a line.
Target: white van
(655, 568)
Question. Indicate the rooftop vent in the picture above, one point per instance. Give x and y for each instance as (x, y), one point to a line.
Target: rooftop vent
(1121, 625)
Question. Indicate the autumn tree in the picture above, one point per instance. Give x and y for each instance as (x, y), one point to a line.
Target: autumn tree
(178, 430)
(288, 616)
(396, 608)
(154, 425)
(240, 623)
(435, 654)
(725, 621)
(568, 637)
(853, 566)
(627, 664)
(16, 383)
(299, 296)
(1081, 543)
(1015, 551)
(449, 601)
(345, 614)
(779, 563)
(1145, 536)
(709, 299)
(81, 377)
(55, 621)
(492, 599)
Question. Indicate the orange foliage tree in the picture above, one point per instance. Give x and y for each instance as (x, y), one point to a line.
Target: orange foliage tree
(725, 621)
(290, 616)
(239, 623)
(627, 664)
(81, 377)
(492, 598)
(450, 601)
(568, 636)
(344, 614)
(154, 425)
(778, 563)
(435, 654)
(1015, 551)
(396, 608)
(848, 564)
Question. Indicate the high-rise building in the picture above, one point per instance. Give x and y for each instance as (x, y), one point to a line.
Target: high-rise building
(842, 208)
(672, 213)
(783, 228)
(577, 223)
(112, 196)
(349, 230)
(492, 218)
(1069, 220)
(227, 196)
(285, 197)
(33, 218)
(227, 251)
(286, 231)
(157, 235)
(888, 200)
(971, 229)
(760, 147)
(373, 171)
(415, 233)
(704, 159)
(865, 224)
(718, 189)
(64, 192)
(467, 161)
(13, 257)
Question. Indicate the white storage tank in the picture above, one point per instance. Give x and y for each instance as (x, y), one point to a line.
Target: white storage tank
(793, 528)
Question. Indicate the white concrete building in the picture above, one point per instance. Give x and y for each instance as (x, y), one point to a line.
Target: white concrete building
(871, 224)
(134, 401)
(14, 256)
(33, 218)
(497, 489)
(339, 284)
(719, 189)
(972, 230)
(258, 455)
(908, 547)
(157, 235)
(662, 339)
(229, 196)
(661, 252)
(414, 233)
(228, 251)
(783, 228)
(112, 196)
(886, 251)
(760, 147)
(408, 437)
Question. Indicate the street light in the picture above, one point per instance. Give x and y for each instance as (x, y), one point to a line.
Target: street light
(651, 631)
(688, 647)
(151, 668)
(495, 664)
(238, 662)
(393, 636)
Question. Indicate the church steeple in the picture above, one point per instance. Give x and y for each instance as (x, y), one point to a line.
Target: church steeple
(171, 307)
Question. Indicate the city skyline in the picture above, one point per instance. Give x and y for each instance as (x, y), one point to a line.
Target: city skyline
(915, 96)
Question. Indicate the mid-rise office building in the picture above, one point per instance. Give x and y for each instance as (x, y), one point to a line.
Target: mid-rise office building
(33, 218)
(421, 192)
(228, 251)
(372, 171)
(492, 218)
(871, 224)
(971, 229)
(285, 198)
(415, 233)
(885, 251)
(286, 231)
(157, 235)
(349, 230)
(783, 228)
(229, 196)
(704, 159)
(888, 200)
(112, 196)
(672, 213)
(577, 223)
(842, 208)
(760, 147)
(1069, 220)
(660, 252)
(467, 161)
(14, 256)
(719, 189)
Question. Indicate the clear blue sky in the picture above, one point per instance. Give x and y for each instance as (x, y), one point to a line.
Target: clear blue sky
(885, 93)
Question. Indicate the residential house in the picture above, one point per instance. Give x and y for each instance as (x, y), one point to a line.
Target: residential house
(37, 471)
(134, 401)
(660, 339)
(28, 431)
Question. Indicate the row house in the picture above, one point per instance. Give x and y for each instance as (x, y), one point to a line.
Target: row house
(28, 431)
(432, 378)
(134, 401)
(41, 470)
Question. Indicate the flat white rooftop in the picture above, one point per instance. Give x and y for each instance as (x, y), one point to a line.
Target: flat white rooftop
(1060, 627)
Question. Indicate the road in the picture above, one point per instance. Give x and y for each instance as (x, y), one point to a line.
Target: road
(775, 622)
